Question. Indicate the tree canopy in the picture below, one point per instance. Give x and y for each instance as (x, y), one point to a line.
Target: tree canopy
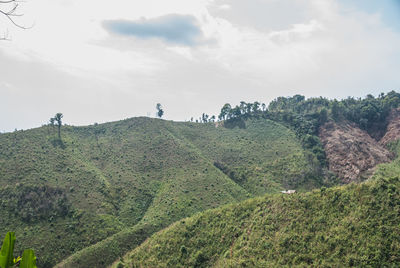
(160, 111)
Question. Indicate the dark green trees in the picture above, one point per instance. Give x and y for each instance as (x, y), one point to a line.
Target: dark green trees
(52, 124)
(58, 118)
(245, 110)
(225, 111)
(160, 111)
(204, 117)
(336, 110)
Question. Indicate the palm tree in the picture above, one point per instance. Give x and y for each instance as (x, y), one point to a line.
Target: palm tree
(58, 118)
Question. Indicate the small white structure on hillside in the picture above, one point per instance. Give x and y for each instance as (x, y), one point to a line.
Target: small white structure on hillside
(288, 192)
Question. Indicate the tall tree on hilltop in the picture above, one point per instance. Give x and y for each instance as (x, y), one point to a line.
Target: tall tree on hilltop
(242, 107)
(226, 109)
(52, 122)
(256, 107)
(249, 107)
(58, 118)
(160, 111)
(236, 112)
(264, 107)
(204, 117)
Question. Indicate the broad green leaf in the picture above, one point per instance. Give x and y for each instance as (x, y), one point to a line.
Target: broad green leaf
(7, 249)
(28, 259)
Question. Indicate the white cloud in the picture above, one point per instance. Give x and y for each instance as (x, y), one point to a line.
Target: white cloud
(224, 7)
(298, 31)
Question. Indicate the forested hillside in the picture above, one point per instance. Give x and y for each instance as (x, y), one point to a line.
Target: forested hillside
(354, 225)
(62, 196)
(329, 227)
(93, 193)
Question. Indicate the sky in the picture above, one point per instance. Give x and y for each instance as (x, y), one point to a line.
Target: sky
(100, 61)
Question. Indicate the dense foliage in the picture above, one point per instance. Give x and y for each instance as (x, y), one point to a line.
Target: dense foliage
(33, 202)
(355, 225)
(305, 116)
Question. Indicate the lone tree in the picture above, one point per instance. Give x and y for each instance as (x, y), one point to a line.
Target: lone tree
(52, 120)
(204, 117)
(160, 111)
(58, 118)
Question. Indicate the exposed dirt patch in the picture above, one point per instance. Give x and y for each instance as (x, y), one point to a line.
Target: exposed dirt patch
(393, 128)
(350, 151)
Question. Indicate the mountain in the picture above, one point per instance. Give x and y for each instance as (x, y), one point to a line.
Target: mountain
(100, 191)
(353, 225)
(133, 177)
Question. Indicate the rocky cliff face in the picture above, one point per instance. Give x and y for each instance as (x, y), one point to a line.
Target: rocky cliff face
(393, 128)
(351, 151)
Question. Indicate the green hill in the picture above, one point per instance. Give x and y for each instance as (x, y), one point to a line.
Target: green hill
(353, 225)
(100, 191)
(124, 180)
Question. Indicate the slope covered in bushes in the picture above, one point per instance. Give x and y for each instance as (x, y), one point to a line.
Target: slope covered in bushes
(101, 186)
(353, 225)
(100, 180)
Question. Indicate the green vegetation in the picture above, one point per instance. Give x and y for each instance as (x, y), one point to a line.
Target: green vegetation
(160, 111)
(58, 118)
(28, 259)
(256, 153)
(266, 232)
(122, 181)
(305, 116)
(103, 189)
(354, 225)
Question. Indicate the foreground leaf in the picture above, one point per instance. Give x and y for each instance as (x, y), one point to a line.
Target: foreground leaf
(7, 249)
(28, 259)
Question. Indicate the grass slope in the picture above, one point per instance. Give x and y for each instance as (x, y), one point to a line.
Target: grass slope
(124, 180)
(354, 225)
(263, 157)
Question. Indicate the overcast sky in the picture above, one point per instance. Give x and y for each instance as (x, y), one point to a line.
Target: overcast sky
(99, 61)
